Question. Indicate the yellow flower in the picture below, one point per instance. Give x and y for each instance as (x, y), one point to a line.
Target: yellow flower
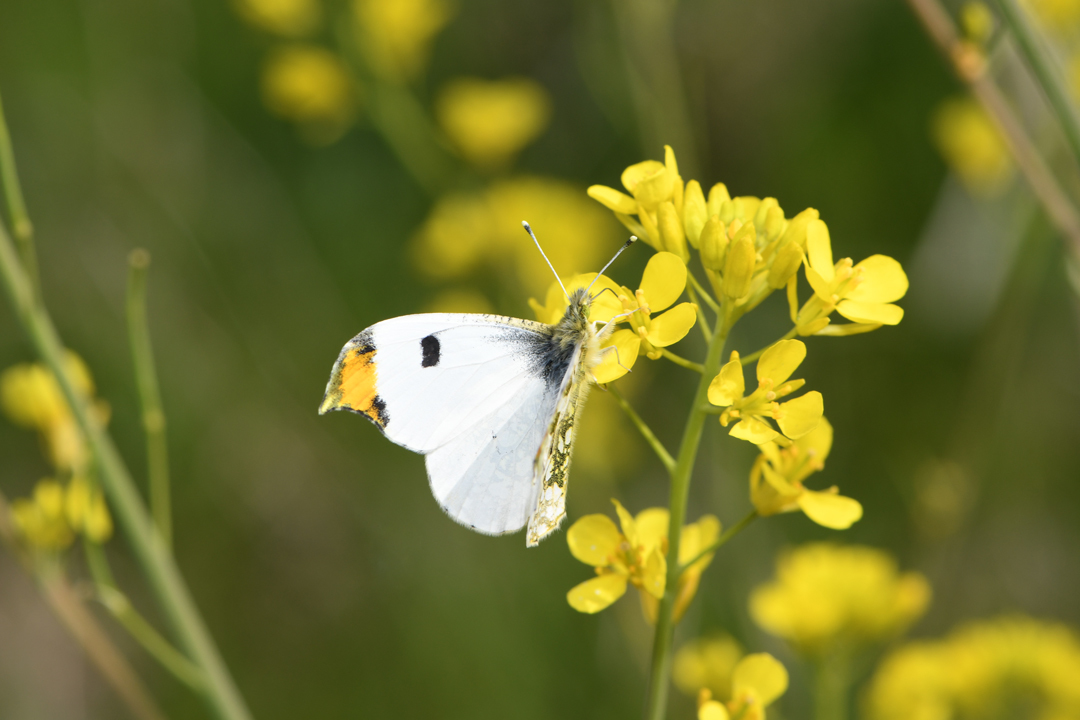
(311, 87)
(31, 397)
(776, 481)
(86, 511)
(396, 35)
(757, 681)
(862, 293)
(41, 520)
(795, 417)
(972, 146)
(827, 596)
(1057, 15)
(706, 663)
(489, 122)
(636, 556)
(291, 18)
(467, 232)
(980, 672)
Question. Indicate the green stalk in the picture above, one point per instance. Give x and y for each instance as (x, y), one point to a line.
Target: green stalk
(1042, 67)
(150, 548)
(681, 361)
(644, 429)
(656, 704)
(21, 227)
(153, 417)
(831, 687)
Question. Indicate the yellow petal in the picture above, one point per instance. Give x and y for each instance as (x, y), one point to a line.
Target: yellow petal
(819, 249)
(846, 329)
(626, 520)
(779, 361)
(594, 595)
(663, 280)
(712, 710)
(817, 443)
(753, 430)
(739, 266)
(728, 386)
(613, 199)
(672, 326)
(637, 172)
(594, 540)
(654, 574)
(613, 366)
(822, 287)
(865, 312)
(801, 415)
(762, 675)
(696, 537)
(829, 509)
(883, 280)
(605, 305)
(652, 527)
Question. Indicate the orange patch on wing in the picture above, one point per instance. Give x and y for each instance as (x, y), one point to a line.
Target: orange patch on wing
(353, 386)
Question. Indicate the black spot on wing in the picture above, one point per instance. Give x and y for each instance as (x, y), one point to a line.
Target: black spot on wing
(378, 413)
(429, 349)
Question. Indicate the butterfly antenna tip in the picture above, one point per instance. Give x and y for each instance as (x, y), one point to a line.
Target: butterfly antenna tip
(528, 229)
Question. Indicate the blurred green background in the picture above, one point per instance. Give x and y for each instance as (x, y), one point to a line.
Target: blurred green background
(332, 581)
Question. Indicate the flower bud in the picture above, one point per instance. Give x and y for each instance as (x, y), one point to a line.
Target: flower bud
(796, 230)
(671, 231)
(717, 194)
(739, 265)
(713, 244)
(763, 210)
(694, 212)
(775, 224)
(727, 211)
(785, 264)
(746, 207)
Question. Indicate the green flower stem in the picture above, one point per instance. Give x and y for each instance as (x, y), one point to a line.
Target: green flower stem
(722, 540)
(688, 364)
(21, 227)
(645, 430)
(832, 685)
(702, 323)
(695, 285)
(660, 673)
(755, 355)
(150, 549)
(1042, 66)
(153, 417)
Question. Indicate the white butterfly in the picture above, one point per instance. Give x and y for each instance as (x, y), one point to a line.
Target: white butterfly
(491, 402)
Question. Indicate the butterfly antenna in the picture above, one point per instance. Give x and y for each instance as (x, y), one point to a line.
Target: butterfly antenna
(628, 243)
(529, 230)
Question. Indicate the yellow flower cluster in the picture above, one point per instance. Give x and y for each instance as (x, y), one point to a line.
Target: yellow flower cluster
(290, 18)
(489, 122)
(637, 556)
(707, 663)
(31, 397)
(50, 518)
(756, 682)
(1006, 667)
(396, 35)
(827, 597)
(312, 87)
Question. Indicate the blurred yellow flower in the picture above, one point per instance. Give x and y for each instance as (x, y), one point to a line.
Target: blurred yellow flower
(291, 18)
(795, 417)
(86, 511)
(757, 681)
(977, 21)
(396, 35)
(862, 293)
(31, 397)
(1058, 15)
(971, 145)
(706, 663)
(776, 481)
(985, 670)
(310, 86)
(491, 121)
(465, 232)
(41, 520)
(829, 596)
(636, 556)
